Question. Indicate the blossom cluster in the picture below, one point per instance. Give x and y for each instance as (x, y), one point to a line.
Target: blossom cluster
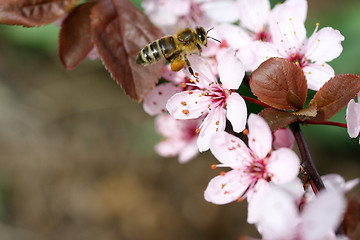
(193, 110)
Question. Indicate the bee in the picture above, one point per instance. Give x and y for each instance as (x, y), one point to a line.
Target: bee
(174, 48)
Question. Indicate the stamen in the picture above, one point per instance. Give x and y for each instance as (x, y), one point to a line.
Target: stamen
(185, 112)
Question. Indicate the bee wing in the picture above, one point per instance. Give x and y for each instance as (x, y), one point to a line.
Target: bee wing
(119, 31)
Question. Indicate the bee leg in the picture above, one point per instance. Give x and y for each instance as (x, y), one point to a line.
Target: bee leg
(189, 66)
(199, 48)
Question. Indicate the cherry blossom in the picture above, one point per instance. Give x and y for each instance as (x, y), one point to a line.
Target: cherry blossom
(281, 219)
(281, 33)
(310, 54)
(283, 137)
(172, 15)
(217, 101)
(179, 137)
(254, 29)
(254, 168)
(353, 118)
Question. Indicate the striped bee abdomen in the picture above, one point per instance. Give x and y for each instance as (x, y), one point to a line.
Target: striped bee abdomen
(162, 48)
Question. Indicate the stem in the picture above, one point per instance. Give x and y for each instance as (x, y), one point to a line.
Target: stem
(343, 125)
(249, 99)
(315, 180)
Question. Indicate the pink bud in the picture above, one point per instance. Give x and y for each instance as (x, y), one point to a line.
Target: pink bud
(283, 137)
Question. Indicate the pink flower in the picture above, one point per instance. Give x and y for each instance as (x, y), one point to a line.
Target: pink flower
(310, 54)
(281, 219)
(179, 137)
(283, 137)
(254, 30)
(254, 168)
(217, 101)
(353, 118)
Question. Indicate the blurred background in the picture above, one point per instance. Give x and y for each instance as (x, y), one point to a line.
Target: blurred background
(77, 158)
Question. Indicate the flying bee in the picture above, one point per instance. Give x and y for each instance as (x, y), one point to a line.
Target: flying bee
(175, 48)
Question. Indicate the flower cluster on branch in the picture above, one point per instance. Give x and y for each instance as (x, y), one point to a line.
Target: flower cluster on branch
(250, 44)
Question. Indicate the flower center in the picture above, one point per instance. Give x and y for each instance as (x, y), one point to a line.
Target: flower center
(263, 36)
(299, 59)
(257, 170)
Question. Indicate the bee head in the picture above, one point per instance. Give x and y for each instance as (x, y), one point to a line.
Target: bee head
(202, 35)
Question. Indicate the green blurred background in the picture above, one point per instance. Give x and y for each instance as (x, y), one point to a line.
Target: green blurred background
(77, 158)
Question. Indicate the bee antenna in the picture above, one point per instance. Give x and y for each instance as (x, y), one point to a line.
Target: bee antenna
(209, 30)
(214, 39)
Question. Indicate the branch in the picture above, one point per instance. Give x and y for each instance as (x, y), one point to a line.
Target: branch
(343, 125)
(249, 99)
(315, 180)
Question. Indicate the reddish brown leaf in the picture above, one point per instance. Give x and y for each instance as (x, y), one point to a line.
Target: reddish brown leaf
(334, 95)
(351, 216)
(31, 13)
(310, 111)
(75, 39)
(277, 119)
(279, 83)
(120, 30)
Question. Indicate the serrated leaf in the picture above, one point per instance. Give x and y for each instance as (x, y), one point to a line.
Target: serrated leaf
(30, 13)
(279, 83)
(277, 119)
(310, 111)
(120, 30)
(335, 95)
(75, 41)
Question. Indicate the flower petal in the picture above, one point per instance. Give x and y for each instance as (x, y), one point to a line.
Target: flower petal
(155, 101)
(236, 111)
(317, 74)
(260, 138)
(232, 35)
(166, 125)
(202, 70)
(188, 152)
(322, 215)
(254, 14)
(287, 30)
(225, 188)
(353, 118)
(231, 70)
(188, 104)
(231, 151)
(254, 198)
(283, 166)
(277, 214)
(214, 122)
(256, 52)
(298, 7)
(221, 11)
(324, 45)
(168, 148)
